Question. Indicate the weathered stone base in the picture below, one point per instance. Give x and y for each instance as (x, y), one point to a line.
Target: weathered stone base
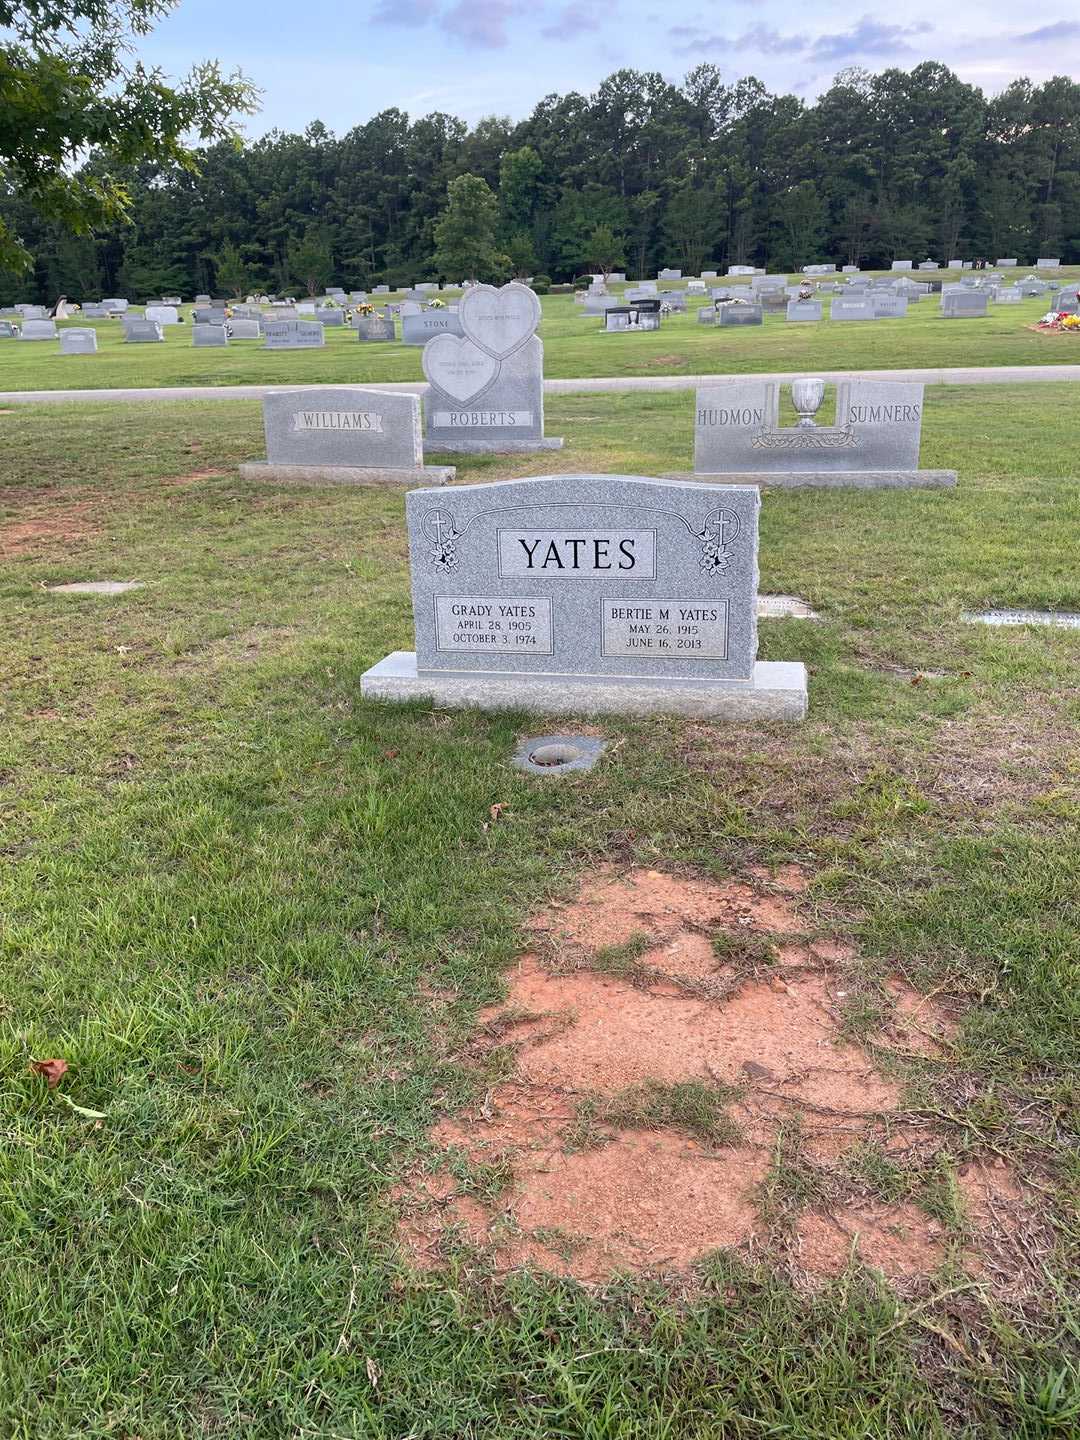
(344, 474)
(832, 479)
(497, 447)
(777, 691)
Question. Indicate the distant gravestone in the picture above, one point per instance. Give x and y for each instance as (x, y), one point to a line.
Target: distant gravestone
(486, 387)
(1006, 264)
(375, 328)
(854, 309)
(381, 290)
(874, 443)
(293, 335)
(8, 331)
(327, 316)
(707, 315)
(708, 274)
(889, 307)
(202, 335)
(202, 299)
(1047, 264)
(1007, 297)
(964, 305)
(115, 306)
(588, 593)
(675, 300)
(800, 310)
(78, 340)
(849, 269)
(419, 328)
(669, 275)
(737, 314)
(38, 330)
(597, 304)
(902, 264)
(243, 329)
(344, 435)
(955, 265)
(163, 314)
(95, 311)
(208, 315)
(929, 265)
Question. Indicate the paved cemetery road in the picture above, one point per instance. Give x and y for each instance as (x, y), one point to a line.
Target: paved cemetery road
(973, 375)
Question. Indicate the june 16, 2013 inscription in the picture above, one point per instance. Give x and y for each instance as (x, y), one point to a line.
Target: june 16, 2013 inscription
(493, 625)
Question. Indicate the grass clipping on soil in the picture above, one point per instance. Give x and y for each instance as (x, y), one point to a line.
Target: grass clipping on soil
(677, 1076)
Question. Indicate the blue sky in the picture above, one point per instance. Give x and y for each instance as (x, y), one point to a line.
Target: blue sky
(343, 64)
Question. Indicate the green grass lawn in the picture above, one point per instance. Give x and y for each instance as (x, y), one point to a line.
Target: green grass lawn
(258, 917)
(575, 346)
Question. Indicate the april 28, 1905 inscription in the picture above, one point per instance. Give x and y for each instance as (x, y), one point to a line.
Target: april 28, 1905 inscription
(586, 575)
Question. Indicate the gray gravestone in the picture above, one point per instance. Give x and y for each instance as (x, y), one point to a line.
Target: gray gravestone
(1007, 297)
(8, 331)
(208, 335)
(873, 444)
(375, 328)
(964, 305)
(419, 328)
(38, 330)
(736, 314)
(486, 386)
(669, 275)
(799, 310)
(1047, 264)
(95, 311)
(331, 317)
(843, 308)
(243, 329)
(588, 593)
(1006, 264)
(293, 335)
(344, 435)
(675, 300)
(891, 307)
(79, 340)
(902, 264)
(707, 315)
(163, 314)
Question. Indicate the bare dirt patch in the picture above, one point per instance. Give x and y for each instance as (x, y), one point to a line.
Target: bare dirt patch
(193, 477)
(45, 532)
(661, 1041)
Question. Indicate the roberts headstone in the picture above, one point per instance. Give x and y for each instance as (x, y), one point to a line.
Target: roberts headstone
(588, 593)
(486, 386)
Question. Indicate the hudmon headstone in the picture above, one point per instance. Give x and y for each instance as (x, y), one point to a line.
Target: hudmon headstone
(486, 386)
(874, 443)
(344, 435)
(576, 593)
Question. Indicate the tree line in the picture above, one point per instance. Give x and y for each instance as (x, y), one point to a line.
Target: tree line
(642, 174)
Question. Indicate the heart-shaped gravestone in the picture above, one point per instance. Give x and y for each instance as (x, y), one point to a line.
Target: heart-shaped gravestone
(457, 368)
(500, 321)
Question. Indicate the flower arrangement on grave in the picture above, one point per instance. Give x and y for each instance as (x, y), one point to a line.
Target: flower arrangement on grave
(1055, 320)
(436, 305)
(365, 309)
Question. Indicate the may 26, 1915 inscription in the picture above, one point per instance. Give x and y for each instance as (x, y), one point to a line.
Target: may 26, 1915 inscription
(588, 592)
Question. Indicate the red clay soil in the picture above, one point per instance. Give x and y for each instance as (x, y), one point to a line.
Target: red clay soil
(765, 1038)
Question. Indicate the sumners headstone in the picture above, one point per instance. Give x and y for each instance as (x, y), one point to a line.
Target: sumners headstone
(486, 387)
(79, 340)
(344, 435)
(293, 335)
(874, 443)
(588, 593)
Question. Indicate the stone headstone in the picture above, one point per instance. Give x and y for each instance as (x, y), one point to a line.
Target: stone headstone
(8, 330)
(377, 328)
(902, 264)
(843, 308)
(306, 307)
(418, 329)
(486, 386)
(326, 316)
(873, 444)
(1007, 297)
(799, 310)
(890, 307)
(33, 312)
(244, 329)
(78, 340)
(292, 335)
(208, 335)
(94, 311)
(929, 265)
(163, 314)
(964, 304)
(597, 304)
(208, 315)
(669, 275)
(849, 269)
(381, 290)
(736, 314)
(1047, 264)
(344, 435)
(1006, 264)
(707, 315)
(587, 593)
(38, 330)
(202, 299)
(955, 265)
(675, 300)
(115, 306)
(708, 274)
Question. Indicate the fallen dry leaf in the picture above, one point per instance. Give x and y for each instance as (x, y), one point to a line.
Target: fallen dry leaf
(497, 809)
(391, 754)
(374, 1372)
(53, 1070)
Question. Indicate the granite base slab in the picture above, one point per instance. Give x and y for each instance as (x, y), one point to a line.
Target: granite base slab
(345, 474)
(831, 479)
(493, 447)
(777, 691)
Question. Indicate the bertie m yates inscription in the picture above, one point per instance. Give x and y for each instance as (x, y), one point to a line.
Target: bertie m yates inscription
(586, 575)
